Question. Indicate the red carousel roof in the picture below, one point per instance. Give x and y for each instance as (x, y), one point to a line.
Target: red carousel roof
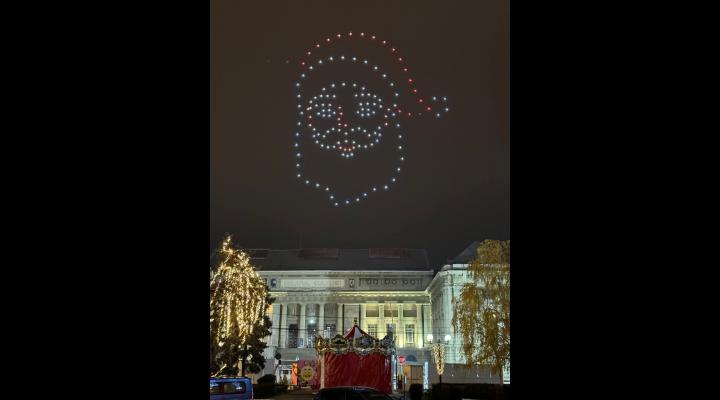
(355, 332)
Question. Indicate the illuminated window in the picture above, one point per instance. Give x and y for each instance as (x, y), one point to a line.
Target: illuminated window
(372, 311)
(410, 310)
(391, 311)
(372, 330)
(293, 336)
(330, 330)
(410, 333)
(390, 328)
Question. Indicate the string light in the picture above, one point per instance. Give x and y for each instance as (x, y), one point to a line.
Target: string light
(438, 351)
(237, 296)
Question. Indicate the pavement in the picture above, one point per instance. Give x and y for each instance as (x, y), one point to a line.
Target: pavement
(298, 394)
(308, 394)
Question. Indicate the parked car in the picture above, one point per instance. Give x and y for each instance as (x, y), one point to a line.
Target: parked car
(231, 388)
(351, 393)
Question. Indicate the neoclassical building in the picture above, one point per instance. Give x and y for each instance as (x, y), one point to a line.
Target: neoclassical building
(387, 290)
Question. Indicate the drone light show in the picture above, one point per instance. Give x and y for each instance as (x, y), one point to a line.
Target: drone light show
(350, 107)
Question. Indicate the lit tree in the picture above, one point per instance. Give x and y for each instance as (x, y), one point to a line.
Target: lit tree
(438, 352)
(238, 300)
(482, 312)
(251, 355)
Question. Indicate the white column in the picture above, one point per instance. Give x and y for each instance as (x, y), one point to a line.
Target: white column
(447, 322)
(341, 319)
(303, 327)
(401, 326)
(363, 318)
(321, 320)
(283, 327)
(428, 319)
(275, 324)
(381, 329)
(419, 334)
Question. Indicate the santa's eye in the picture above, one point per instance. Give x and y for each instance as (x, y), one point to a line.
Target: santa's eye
(327, 111)
(368, 105)
(322, 107)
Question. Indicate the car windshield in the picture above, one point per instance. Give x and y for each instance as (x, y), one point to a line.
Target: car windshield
(227, 387)
(234, 387)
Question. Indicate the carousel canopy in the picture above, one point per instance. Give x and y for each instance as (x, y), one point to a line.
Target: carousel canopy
(355, 332)
(355, 340)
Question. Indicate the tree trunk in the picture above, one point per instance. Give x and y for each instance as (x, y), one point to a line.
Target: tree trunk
(242, 365)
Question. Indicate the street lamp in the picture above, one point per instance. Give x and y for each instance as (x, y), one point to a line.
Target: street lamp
(430, 338)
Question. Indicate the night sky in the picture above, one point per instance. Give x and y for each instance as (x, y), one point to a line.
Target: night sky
(454, 185)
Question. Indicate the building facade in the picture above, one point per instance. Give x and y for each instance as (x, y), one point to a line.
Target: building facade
(387, 291)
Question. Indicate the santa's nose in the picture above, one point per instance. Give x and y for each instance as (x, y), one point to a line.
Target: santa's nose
(340, 121)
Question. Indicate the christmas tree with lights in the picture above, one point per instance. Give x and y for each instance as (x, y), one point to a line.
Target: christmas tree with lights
(238, 301)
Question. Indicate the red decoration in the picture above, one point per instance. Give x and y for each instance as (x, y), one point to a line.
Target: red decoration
(353, 369)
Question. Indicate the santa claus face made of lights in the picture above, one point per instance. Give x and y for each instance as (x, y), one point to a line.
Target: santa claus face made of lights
(347, 119)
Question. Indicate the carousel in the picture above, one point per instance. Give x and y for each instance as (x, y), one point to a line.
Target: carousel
(355, 359)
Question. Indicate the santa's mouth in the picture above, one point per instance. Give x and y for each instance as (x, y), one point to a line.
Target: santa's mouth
(348, 140)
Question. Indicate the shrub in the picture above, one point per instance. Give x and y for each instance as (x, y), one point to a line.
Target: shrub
(486, 391)
(479, 391)
(263, 390)
(448, 392)
(269, 378)
(416, 391)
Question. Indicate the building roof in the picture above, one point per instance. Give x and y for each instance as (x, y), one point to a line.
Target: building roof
(334, 259)
(466, 255)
